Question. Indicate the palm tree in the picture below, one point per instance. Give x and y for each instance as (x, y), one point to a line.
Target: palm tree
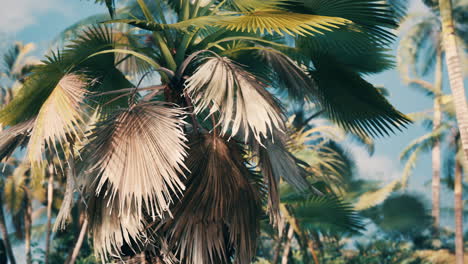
(421, 50)
(16, 66)
(165, 167)
(455, 73)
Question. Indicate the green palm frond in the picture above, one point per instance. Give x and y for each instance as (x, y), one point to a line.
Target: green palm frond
(373, 16)
(418, 45)
(371, 115)
(424, 143)
(261, 21)
(220, 203)
(327, 214)
(352, 48)
(376, 197)
(288, 75)
(146, 140)
(244, 106)
(280, 22)
(14, 59)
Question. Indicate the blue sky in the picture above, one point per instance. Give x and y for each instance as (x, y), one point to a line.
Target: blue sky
(40, 21)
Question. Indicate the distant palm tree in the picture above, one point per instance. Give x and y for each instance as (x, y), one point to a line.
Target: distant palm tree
(166, 168)
(421, 50)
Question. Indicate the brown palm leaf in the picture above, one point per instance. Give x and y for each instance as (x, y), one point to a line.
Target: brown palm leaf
(137, 156)
(220, 209)
(111, 230)
(220, 85)
(14, 137)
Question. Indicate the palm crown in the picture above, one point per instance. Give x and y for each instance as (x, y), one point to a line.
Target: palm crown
(176, 168)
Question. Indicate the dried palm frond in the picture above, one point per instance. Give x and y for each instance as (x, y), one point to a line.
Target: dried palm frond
(111, 230)
(59, 116)
(223, 86)
(138, 154)
(220, 209)
(14, 137)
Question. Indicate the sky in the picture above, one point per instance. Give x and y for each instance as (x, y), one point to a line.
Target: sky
(40, 21)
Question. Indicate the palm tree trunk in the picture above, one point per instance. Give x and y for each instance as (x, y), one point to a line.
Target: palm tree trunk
(3, 229)
(28, 227)
(458, 214)
(436, 152)
(310, 243)
(278, 246)
(287, 245)
(454, 71)
(50, 197)
(79, 242)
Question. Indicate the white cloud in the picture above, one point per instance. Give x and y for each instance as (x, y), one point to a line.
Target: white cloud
(17, 14)
(417, 6)
(377, 167)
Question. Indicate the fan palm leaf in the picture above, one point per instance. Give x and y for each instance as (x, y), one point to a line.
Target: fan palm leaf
(138, 154)
(60, 116)
(219, 211)
(244, 106)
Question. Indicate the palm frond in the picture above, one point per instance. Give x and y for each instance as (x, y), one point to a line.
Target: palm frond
(288, 75)
(277, 21)
(219, 214)
(327, 213)
(423, 143)
(373, 16)
(14, 137)
(111, 230)
(372, 114)
(376, 197)
(138, 154)
(244, 106)
(60, 116)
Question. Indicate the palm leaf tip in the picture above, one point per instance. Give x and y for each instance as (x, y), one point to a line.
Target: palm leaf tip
(60, 116)
(138, 155)
(244, 106)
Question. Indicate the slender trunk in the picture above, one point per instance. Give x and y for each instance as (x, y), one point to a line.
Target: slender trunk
(50, 197)
(454, 71)
(3, 229)
(458, 214)
(310, 243)
(278, 246)
(287, 245)
(27, 227)
(79, 242)
(436, 152)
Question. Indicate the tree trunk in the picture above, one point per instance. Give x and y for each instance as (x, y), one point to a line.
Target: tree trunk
(287, 245)
(278, 246)
(436, 152)
(310, 244)
(3, 229)
(458, 214)
(50, 197)
(79, 242)
(28, 227)
(454, 71)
